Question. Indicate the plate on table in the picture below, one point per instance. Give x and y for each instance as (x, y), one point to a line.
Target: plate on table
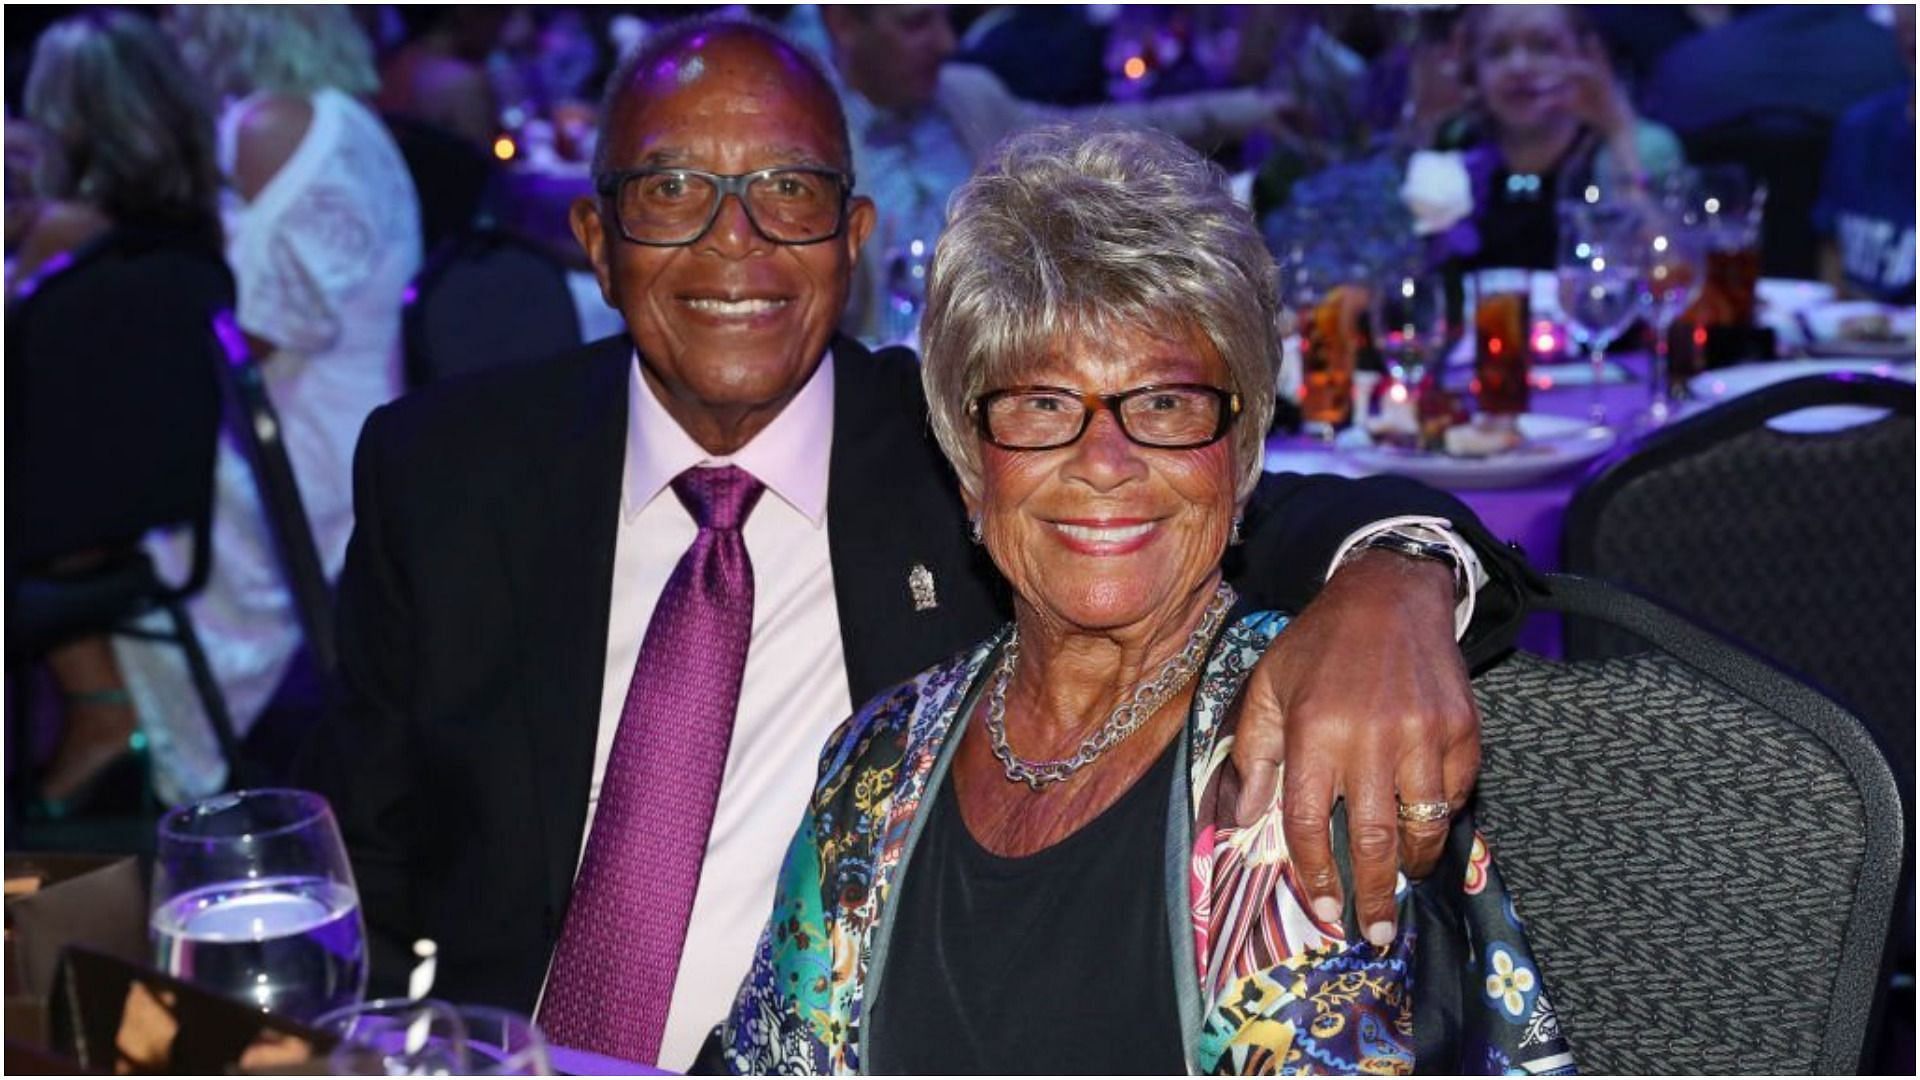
(1781, 302)
(1731, 382)
(1856, 328)
(1549, 444)
(1792, 294)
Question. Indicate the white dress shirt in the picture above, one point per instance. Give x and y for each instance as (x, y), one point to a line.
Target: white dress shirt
(793, 692)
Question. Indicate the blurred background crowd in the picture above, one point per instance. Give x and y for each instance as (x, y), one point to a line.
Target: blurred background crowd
(387, 186)
(378, 195)
(374, 174)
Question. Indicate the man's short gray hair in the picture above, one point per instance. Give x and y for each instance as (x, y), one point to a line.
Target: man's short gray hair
(1073, 232)
(676, 34)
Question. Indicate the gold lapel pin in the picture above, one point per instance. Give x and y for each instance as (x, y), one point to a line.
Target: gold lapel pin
(920, 584)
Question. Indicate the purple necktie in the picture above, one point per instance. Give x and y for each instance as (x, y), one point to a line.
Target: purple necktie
(613, 971)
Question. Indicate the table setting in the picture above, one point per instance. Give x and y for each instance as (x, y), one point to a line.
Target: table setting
(254, 956)
(1507, 386)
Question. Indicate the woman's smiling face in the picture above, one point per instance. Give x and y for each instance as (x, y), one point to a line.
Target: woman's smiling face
(1104, 534)
(1520, 56)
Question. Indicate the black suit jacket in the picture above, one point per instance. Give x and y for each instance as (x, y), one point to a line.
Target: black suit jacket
(473, 616)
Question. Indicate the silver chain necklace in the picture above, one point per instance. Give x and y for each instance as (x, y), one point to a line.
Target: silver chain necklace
(1126, 717)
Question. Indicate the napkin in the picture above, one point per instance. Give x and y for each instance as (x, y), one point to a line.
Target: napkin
(1437, 191)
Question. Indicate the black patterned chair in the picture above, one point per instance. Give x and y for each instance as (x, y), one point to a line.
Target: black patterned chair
(1705, 850)
(112, 415)
(1800, 546)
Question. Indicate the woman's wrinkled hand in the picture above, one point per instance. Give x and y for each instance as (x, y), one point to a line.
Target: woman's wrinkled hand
(1365, 698)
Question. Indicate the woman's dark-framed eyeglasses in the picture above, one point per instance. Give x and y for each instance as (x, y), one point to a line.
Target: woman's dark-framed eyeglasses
(1171, 416)
(787, 204)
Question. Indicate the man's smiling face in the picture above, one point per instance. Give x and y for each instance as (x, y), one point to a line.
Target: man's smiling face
(731, 326)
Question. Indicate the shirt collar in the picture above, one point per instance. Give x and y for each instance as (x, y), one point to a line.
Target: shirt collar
(789, 455)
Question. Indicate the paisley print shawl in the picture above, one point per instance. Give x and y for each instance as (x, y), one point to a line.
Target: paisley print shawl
(1280, 992)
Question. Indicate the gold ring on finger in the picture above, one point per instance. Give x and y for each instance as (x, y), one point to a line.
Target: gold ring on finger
(1421, 813)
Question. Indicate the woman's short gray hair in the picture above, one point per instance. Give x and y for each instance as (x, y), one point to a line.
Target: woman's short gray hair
(238, 49)
(1076, 232)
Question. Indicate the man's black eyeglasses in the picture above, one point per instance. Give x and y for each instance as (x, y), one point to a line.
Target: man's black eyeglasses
(787, 204)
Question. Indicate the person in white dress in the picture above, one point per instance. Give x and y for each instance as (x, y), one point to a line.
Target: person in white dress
(323, 236)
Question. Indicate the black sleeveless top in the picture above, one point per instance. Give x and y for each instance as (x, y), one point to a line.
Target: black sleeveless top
(1055, 962)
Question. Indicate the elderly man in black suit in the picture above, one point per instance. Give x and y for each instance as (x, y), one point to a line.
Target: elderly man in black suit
(599, 613)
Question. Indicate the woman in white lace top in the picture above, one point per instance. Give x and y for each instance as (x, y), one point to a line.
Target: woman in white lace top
(323, 235)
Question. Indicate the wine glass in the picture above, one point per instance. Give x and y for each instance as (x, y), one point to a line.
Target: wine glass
(1600, 269)
(1677, 244)
(425, 1037)
(253, 898)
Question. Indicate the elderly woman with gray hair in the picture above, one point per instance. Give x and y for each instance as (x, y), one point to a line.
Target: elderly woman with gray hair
(1024, 859)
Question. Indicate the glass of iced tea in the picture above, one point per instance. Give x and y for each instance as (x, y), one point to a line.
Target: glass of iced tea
(1500, 303)
(1327, 317)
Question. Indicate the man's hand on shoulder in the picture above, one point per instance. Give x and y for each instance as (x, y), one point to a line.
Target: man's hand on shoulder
(1365, 698)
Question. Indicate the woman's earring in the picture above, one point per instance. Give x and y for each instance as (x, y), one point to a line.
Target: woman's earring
(1234, 537)
(975, 531)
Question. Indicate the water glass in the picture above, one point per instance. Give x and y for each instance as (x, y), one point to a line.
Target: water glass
(253, 898)
(1410, 325)
(1602, 267)
(425, 1037)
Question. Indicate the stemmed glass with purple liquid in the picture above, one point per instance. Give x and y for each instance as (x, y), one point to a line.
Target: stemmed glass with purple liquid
(253, 898)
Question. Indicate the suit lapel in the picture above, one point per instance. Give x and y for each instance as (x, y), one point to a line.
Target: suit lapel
(894, 511)
(563, 588)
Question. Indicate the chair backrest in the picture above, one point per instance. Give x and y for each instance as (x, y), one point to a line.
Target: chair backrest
(113, 410)
(455, 179)
(1704, 849)
(254, 425)
(485, 300)
(1800, 546)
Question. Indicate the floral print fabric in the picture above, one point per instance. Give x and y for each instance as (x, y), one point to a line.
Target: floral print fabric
(1279, 992)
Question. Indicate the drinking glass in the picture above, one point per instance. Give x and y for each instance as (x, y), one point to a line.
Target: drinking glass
(1726, 208)
(1410, 325)
(253, 898)
(1327, 315)
(1677, 242)
(1501, 301)
(1601, 268)
(425, 1037)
